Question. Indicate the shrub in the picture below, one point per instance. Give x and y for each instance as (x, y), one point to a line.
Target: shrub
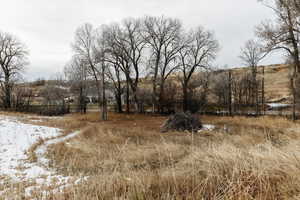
(182, 122)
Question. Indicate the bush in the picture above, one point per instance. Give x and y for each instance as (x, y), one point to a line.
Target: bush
(182, 122)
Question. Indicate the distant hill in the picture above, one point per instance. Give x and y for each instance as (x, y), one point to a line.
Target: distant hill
(276, 82)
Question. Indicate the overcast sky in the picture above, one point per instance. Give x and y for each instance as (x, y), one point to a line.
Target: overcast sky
(47, 26)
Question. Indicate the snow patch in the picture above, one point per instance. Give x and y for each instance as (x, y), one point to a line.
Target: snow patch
(15, 139)
(207, 127)
(278, 105)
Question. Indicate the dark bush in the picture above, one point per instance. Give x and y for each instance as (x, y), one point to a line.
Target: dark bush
(182, 122)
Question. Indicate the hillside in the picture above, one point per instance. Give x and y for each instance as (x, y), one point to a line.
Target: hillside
(276, 82)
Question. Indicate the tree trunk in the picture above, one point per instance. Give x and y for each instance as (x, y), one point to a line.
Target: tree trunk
(118, 97)
(263, 92)
(81, 100)
(104, 104)
(98, 93)
(185, 97)
(161, 97)
(154, 95)
(257, 99)
(136, 102)
(127, 96)
(7, 101)
(229, 93)
(294, 96)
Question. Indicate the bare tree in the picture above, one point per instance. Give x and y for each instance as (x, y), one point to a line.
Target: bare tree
(118, 59)
(220, 88)
(283, 34)
(100, 51)
(171, 98)
(133, 46)
(163, 38)
(114, 73)
(198, 89)
(85, 48)
(22, 97)
(13, 58)
(199, 51)
(251, 55)
(76, 74)
(128, 45)
(119, 53)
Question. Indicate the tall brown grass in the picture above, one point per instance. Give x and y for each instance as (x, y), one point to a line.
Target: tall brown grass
(243, 158)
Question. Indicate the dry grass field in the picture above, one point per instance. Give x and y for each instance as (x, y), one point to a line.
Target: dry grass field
(128, 158)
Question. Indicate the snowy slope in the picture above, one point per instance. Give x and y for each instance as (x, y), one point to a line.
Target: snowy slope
(15, 139)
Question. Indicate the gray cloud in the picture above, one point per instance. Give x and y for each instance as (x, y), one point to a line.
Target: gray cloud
(47, 27)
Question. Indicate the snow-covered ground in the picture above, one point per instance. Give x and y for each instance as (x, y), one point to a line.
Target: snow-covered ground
(15, 139)
(207, 127)
(278, 105)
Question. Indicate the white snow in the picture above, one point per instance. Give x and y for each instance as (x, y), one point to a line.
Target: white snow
(15, 139)
(278, 105)
(41, 150)
(207, 127)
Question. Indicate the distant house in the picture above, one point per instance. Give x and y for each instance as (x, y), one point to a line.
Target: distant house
(92, 96)
(69, 99)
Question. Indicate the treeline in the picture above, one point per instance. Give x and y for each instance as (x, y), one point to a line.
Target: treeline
(162, 50)
(124, 54)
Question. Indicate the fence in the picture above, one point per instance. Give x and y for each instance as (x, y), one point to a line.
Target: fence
(49, 110)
